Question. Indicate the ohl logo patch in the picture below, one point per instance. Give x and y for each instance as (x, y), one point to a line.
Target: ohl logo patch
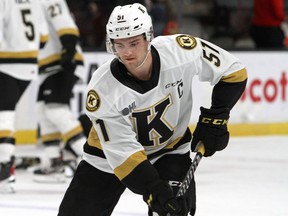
(93, 101)
(186, 41)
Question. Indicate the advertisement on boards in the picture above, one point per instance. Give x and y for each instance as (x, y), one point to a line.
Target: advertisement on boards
(262, 109)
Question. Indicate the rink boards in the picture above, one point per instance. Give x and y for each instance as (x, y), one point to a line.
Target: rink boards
(262, 109)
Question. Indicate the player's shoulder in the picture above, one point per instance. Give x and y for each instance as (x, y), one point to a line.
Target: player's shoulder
(102, 90)
(104, 82)
(182, 41)
(100, 75)
(178, 48)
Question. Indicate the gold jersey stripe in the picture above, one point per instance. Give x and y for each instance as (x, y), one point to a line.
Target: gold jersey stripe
(70, 31)
(6, 133)
(238, 76)
(19, 55)
(49, 60)
(130, 164)
(79, 57)
(44, 38)
(72, 133)
(57, 57)
(93, 139)
(50, 137)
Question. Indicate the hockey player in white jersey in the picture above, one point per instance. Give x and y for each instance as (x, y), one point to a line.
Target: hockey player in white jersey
(22, 29)
(140, 105)
(61, 66)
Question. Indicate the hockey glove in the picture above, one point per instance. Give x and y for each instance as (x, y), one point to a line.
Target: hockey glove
(212, 130)
(67, 60)
(160, 199)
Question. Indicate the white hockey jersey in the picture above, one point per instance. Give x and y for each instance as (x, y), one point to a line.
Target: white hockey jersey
(22, 27)
(139, 120)
(60, 22)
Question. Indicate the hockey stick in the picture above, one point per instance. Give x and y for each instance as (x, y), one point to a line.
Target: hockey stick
(190, 173)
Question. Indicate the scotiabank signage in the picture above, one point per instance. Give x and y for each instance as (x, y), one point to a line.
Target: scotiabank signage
(266, 95)
(271, 89)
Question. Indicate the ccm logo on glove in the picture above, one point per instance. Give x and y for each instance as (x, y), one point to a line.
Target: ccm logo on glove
(212, 130)
(214, 121)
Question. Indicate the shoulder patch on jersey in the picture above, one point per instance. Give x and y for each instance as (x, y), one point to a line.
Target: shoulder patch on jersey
(186, 41)
(92, 101)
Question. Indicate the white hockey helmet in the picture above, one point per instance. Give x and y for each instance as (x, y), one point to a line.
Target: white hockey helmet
(128, 21)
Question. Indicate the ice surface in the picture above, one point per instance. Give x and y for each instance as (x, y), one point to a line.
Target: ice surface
(248, 178)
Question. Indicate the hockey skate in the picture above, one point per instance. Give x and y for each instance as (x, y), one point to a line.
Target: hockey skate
(24, 163)
(7, 177)
(53, 173)
(70, 167)
(71, 160)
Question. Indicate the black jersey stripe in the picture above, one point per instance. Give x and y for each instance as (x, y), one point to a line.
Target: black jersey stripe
(93, 151)
(5, 140)
(18, 60)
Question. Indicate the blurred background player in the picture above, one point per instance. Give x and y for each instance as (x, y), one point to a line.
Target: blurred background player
(266, 30)
(61, 66)
(20, 25)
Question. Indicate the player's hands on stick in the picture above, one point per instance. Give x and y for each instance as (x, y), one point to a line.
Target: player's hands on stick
(160, 199)
(212, 130)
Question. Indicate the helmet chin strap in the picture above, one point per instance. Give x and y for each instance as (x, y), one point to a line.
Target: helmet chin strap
(148, 50)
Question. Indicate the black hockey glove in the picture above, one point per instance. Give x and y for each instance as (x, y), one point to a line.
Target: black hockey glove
(212, 130)
(160, 199)
(68, 62)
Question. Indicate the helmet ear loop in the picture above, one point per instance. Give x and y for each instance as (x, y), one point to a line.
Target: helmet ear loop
(149, 35)
(110, 45)
(113, 50)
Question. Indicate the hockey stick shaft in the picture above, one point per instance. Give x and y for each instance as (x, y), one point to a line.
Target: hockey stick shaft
(190, 173)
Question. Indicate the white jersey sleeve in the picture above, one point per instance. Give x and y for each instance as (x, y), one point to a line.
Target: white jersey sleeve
(44, 29)
(209, 61)
(216, 62)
